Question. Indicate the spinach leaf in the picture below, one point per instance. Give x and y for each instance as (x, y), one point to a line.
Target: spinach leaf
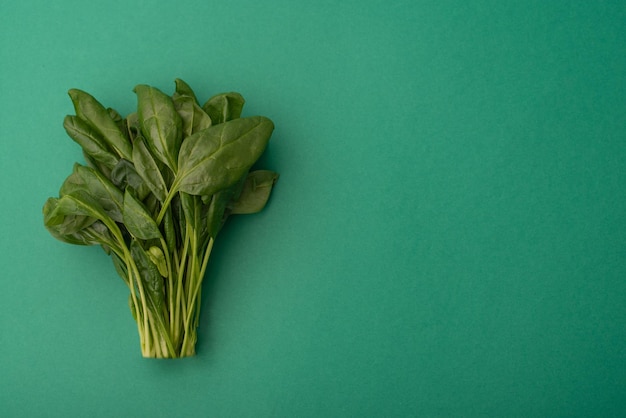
(137, 219)
(256, 191)
(101, 189)
(79, 203)
(133, 128)
(125, 176)
(119, 121)
(217, 207)
(193, 117)
(90, 140)
(150, 277)
(183, 89)
(147, 168)
(63, 224)
(217, 157)
(160, 123)
(224, 107)
(95, 115)
(169, 230)
(158, 259)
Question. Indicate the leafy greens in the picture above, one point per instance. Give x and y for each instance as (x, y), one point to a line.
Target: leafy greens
(154, 193)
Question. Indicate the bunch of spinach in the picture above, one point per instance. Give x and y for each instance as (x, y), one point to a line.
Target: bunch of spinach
(155, 191)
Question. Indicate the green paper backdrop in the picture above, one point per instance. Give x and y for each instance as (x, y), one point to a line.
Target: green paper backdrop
(447, 238)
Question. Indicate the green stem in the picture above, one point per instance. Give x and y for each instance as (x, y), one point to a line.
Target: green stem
(144, 307)
(179, 288)
(170, 285)
(191, 279)
(166, 203)
(194, 298)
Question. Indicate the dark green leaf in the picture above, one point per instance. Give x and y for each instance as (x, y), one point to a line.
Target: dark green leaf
(73, 218)
(215, 158)
(178, 218)
(217, 207)
(91, 141)
(147, 168)
(98, 186)
(95, 115)
(105, 171)
(160, 123)
(120, 122)
(124, 175)
(99, 233)
(256, 191)
(152, 204)
(224, 107)
(81, 203)
(158, 258)
(63, 224)
(150, 277)
(183, 89)
(95, 234)
(133, 128)
(194, 211)
(216, 213)
(193, 117)
(137, 219)
(169, 229)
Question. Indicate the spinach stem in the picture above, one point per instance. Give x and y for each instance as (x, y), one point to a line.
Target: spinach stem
(170, 284)
(194, 294)
(166, 203)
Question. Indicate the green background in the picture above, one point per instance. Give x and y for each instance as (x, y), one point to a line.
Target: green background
(447, 238)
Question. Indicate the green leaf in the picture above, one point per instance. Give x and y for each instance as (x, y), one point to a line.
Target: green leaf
(193, 117)
(151, 279)
(183, 89)
(73, 218)
(99, 233)
(98, 186)
(64, 225)
(178, 218)
(137, 219)
(133, 128)
(216, 213)
(95, 234)
(148, 169)
(215, 158)
(169, 229)
(119, 121)
(194, 211)
(224, 107)
(217, 207)
(124, 175)
(81, 203)
(160, 123)
(95, 115)
(90, 140)
(256, 191)
(158, 258)
(151, 203)
(90, 162)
